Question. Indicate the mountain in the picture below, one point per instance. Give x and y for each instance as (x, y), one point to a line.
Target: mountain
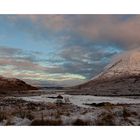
(13, 84)
(121, 77)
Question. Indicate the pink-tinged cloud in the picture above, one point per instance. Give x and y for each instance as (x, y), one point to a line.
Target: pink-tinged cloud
(53, 22)
(96, 27)
(111, 28)
(21, 64)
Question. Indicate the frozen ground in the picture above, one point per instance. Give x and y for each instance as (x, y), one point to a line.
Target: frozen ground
(80, 100)
(41, 110)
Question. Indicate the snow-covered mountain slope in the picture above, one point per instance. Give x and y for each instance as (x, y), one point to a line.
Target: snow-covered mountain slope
(120, 77)
(13, 84)
(125, 64)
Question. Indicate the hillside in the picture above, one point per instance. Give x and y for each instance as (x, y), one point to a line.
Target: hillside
(121, 77)
(13, 84)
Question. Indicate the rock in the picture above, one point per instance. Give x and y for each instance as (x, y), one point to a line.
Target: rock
(100, 104)
(59, 97)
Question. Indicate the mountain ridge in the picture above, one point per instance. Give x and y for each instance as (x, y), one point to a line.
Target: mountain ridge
(121, 77)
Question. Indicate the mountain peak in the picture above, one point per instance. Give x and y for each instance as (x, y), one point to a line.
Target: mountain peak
(127, 63)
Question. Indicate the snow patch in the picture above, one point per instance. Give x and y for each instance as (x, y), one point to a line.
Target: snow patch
(80, 100)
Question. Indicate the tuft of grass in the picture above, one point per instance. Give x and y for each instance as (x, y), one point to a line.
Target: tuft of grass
(29, 115)
(3, 116)
(106, 119)
(80, 122)
(46, 122)
(126, 113)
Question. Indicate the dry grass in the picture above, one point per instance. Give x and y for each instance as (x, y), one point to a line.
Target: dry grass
(80, 122)
(46, 122)
(51, 114)
(106, 119)
(3, 116)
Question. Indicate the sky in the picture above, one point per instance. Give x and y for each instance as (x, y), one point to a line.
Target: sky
(63, 50)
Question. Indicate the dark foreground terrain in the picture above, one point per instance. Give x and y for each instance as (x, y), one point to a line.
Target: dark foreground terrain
(15, 111)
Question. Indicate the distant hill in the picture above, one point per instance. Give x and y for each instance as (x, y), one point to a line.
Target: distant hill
(13, 84)
(52, 88)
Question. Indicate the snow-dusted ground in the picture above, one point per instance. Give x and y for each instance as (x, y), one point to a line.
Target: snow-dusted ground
(17, 122)
(80, 100)
(34, 108)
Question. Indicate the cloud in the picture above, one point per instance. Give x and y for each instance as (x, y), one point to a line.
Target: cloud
(86, 60)
(21, 64)
(7, 51)
(54, 22)
(16, 63)
(18, 59)
(121, 29)
(113, 28)
(82, 44)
